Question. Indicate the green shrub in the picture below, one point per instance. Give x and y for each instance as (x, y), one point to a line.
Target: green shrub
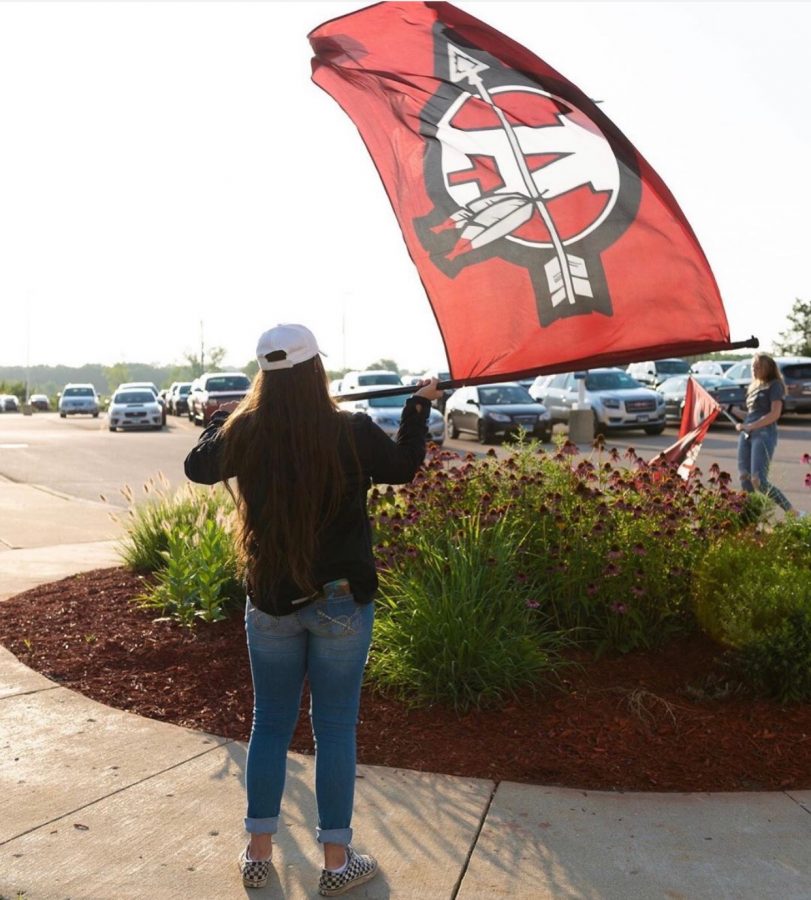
(150, 522)
(754, 595)
(606, 551)
(453, 626)
(199, 577)
(778, 663)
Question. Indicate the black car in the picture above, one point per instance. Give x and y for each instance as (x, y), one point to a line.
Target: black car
(178, 398)
(725, 392)
(496, 410)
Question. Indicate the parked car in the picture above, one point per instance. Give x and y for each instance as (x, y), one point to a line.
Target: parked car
(655, 371)
(178, 398)
(740, 373)
(496, 410)
(617, 400)
(149, 386)
(442, 402)
(9, 403)
(386, 412)
(79, 399)
(360, 381)
(712, 366)
(135, 408)
(724, 391)
(40, 402)
(796, 372)
(211, 390)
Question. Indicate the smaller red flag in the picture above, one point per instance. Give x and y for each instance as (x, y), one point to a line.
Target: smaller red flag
(700, 411)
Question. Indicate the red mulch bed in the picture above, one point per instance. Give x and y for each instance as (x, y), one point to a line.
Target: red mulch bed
(668, 720)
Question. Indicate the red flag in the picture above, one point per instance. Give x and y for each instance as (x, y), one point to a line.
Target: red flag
(544, 240)
(700, 411)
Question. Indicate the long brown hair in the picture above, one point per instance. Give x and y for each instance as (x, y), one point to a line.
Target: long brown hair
(282, 441)
(771, 372)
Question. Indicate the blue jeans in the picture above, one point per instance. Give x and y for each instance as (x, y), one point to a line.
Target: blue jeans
(328, 641)
(754, 457)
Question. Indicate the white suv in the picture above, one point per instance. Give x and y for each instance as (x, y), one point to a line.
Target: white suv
(655, 371)
(617, 400)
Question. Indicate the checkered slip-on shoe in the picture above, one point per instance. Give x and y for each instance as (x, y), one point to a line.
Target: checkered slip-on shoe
(359, 869)
(254, 871)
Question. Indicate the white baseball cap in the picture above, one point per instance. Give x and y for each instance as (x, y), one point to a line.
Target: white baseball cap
(287, 345)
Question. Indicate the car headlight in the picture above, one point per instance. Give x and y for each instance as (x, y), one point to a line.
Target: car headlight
(499, 417)
(610, 402)
(660, 400)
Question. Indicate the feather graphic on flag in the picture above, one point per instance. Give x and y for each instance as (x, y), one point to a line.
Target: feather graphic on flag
(544, 240)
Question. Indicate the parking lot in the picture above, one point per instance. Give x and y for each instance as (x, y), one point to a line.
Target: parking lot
(79, 457)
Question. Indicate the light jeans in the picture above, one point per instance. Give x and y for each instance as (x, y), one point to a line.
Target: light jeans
(754, 457)
(327, 641)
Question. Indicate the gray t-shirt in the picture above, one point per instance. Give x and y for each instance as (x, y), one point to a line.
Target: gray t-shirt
(759, 401)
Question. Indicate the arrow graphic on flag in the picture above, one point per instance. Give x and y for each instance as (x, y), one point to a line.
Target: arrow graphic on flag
(490, 218)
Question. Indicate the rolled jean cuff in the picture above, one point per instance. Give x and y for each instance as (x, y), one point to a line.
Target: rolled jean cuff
(334, 836)
(262, 826)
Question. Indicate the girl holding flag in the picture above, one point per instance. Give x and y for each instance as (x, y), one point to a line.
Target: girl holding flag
(303, 468)
(758, 438)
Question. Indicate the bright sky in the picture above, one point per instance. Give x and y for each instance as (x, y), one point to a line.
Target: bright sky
(164, 164)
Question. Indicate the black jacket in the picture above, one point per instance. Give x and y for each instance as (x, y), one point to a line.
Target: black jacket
(345, 545)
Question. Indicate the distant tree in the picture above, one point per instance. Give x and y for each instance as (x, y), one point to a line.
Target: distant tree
(251, 368)
(206, 360)
(116, 374)
(796, 339)
(13, 387)
(389, 364)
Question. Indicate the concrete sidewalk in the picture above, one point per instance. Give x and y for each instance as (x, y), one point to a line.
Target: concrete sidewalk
(99, 803)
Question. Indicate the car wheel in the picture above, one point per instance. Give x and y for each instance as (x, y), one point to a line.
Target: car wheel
(112, 428)
(62, 415)
(454, 431)
(599, 428)
(545, 437)
(484, 437)
(654, 429)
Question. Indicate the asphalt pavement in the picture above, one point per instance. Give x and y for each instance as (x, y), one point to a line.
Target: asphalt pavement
(100, 803)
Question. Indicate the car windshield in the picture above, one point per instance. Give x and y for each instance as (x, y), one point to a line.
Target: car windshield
(78, 392)
(740, 370)
(396, 402)
(379, 378)
(610, 381)
(184, 389)
(228, 383)
(504, 393)
(714, 381)
(674, 384)
(672, 366)
(134, 397)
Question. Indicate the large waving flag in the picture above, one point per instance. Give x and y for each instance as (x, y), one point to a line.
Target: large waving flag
(700, 411)
(544, 240)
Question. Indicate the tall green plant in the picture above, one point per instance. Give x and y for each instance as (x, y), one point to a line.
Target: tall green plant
(454, 626)
(199, 578)
(152, 519)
